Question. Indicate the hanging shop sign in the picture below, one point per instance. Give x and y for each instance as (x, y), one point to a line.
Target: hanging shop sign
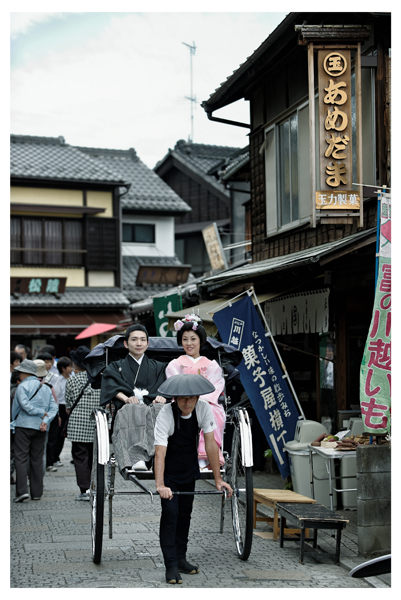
(214, 247)
(375, 374)
(306, 312)
(336, 117)
(261, 375)
(335, 130)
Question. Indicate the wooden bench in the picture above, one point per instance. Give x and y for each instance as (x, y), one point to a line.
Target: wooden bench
(313, 516)
(270, 498)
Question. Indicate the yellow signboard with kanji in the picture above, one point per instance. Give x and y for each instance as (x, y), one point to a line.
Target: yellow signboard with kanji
(342, 200)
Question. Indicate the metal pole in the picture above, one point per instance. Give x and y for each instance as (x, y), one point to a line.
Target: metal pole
(378, 235)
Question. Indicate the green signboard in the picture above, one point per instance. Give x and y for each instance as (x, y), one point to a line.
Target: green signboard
(161, 306)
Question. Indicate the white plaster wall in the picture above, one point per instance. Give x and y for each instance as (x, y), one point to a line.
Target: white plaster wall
(164, 237)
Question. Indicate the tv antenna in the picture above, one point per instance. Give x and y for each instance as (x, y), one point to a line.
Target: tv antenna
(191, 98)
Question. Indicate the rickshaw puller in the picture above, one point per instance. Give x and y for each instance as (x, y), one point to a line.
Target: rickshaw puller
(176, 464)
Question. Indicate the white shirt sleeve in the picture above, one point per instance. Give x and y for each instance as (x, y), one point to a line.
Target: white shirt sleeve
(205, 417)
(164, 426)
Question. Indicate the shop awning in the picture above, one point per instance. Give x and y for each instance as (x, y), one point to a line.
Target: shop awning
(318, 254)
(207, 309)
(71, 323)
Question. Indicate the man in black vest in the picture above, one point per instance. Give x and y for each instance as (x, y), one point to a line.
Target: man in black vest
(177, 467)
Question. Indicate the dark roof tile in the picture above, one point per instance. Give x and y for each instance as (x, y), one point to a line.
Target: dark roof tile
(73, 297)
(148, 191)
(205, 157)
(34, 157)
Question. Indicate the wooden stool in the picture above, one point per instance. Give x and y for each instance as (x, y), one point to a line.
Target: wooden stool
(270, 498)
(314, 517)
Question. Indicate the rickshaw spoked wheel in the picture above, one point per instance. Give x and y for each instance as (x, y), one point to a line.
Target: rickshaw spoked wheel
(242, 498)
(97, 496)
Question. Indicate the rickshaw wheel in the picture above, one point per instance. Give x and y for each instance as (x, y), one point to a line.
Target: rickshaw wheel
(97, 495)
(242, 498)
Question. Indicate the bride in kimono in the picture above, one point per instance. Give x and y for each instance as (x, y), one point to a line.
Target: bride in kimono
(191, 335)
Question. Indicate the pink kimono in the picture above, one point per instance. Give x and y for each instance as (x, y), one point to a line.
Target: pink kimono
(213, 373)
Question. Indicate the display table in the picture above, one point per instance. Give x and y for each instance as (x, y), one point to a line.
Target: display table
(310, 516)
(270, 498)
(328, 454)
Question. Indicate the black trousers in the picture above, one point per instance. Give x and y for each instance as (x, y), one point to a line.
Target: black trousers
(174, 523)
(58, 446)
(29, 445)
(82, 455)
(52, 441)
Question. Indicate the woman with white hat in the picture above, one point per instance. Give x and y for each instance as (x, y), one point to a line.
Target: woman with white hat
(32, 411)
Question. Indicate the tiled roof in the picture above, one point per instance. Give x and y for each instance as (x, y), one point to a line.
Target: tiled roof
(148, 191)
(204, 156)
(232, 165)
(34, 157)
(131, 266)
(88, 297)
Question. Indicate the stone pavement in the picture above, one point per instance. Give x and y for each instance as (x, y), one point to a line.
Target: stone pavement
(51, 544)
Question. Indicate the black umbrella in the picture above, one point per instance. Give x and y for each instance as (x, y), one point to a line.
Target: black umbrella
(185, 385)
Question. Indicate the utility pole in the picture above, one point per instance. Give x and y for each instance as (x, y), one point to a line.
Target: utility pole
(192, 99)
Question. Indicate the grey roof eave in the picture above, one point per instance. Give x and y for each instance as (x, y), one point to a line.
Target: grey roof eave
(30, 179)
(221, 96)
(288, 261)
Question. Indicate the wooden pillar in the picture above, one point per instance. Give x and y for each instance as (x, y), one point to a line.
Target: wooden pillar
(312, 145)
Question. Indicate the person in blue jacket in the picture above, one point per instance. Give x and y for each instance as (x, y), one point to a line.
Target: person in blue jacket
(33, 410)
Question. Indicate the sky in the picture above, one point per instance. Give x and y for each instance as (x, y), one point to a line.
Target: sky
(123, 79)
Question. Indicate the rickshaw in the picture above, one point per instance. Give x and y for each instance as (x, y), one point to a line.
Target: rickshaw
(237, 470)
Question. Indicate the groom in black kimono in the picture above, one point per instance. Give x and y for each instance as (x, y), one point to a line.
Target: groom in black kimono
(134, 372)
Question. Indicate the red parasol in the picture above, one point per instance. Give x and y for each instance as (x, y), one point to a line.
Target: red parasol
(95, 329)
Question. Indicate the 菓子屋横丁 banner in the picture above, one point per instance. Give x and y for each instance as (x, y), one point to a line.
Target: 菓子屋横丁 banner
(261, 375)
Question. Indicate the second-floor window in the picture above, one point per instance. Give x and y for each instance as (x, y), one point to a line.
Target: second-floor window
(141, 233)
(45, 242)
(288, 171)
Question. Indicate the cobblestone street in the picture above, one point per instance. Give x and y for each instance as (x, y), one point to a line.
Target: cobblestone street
(51, 545)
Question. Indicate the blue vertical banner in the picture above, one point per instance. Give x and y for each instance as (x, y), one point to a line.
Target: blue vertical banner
(261, 375)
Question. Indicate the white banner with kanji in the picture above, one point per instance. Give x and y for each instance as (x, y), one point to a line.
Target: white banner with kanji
(375, 375)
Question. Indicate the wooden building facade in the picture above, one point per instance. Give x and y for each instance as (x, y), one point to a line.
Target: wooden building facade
(295, 248)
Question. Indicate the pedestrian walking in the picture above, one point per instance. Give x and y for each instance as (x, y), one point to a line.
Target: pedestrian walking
(32, 411)
(51, 378)
(81, 399)
(64, 367)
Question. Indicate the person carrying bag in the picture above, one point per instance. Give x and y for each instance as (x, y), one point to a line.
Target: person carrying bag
(80, 400)
(65, 428)
(33, 410)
